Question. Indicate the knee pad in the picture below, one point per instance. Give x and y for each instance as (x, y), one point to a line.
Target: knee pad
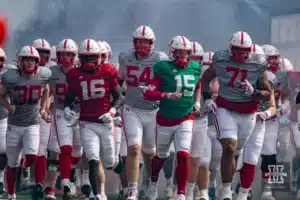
(108, 161)
(66, 150)
(204, 162)
(77, 151)
(266, 161)
(52, 165)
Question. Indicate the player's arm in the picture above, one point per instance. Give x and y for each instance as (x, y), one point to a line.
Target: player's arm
(117, 97)
(198, 96)
(4, 101)
(121, 73)
(264, 91)
(45, 100)
(271, 111)
(207, 77)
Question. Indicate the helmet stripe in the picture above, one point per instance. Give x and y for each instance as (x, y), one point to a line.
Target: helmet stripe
(88, 45)
(65, 44)
(43, 43)
(209, 56)
(31, 50)
(184, 42)
(143, 30)
(242, 37)
(254, 47)
(194, 47)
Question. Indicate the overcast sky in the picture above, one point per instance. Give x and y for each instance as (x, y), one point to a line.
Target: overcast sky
(209, 22)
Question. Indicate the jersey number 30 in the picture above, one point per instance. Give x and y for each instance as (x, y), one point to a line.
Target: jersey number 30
(92, 89)
(28, 94)
(184, 85)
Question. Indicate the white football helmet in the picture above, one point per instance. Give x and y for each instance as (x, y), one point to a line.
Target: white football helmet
(89, 54)
(44, 50)
(180, 43)
(197, 52)
(143, 33)
(240, 46)
(2, 58)
(272, 55)
(109, 50)
(28, 52)
(104, 52)
(66, 46)
(207, 57)
(285, 64)
(256, 49)
(53, 54)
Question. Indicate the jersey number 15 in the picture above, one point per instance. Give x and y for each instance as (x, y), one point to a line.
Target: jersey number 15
(184, 85)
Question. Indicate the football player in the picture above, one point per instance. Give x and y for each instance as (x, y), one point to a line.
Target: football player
(243, 81)
(3, 126)
(93, 83)
(199, 136)
(138, 114)
(44, 49)
(27, 87)
(252, 148)
(174, 85)
(68, 135)
(282, 91)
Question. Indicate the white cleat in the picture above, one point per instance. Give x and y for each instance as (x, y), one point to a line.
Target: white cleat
(11, 197)
(103, 197)
(169, 190)
(132, 195)
(267, 196)
(73, 189)
(180, 197)
(151, 191)
(225, 194)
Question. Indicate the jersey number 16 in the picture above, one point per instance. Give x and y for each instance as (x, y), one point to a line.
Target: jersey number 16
(91, 89)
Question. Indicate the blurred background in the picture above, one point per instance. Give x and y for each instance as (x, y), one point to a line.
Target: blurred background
(209, 22)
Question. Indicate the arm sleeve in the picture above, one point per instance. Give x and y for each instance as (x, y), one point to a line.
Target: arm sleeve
(153, 94)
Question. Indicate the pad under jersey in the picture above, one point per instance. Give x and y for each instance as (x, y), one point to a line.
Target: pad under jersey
(175, 79)
(26, 95)
(59, 88)
(138, 72)
(231, 73)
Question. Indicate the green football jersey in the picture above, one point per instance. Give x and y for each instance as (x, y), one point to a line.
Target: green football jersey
(175, 79)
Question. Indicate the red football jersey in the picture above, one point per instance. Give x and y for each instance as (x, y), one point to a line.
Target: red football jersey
(93, 90)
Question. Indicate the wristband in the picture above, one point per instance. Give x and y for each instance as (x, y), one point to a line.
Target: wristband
(113, 111)
(197, 104)
(268, 113)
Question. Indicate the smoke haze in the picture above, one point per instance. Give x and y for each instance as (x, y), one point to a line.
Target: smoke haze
(209, 22)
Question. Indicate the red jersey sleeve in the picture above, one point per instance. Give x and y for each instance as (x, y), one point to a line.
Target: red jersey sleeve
(152, 94)
(114, 74)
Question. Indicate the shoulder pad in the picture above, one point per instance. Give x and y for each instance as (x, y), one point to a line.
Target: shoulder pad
(45, 72)
(10, 66)
(163, 55)
(258, 59)
(221, 55)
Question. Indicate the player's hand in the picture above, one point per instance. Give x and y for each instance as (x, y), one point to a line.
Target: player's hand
(116, 162)
(283, 109)
(118, 121)
(69, 114)
(11, 109)
(246, 87)
(209, 106)
(174, 96)
(106, 118)
(144, 89)
(45, 116)
(197, 107)
(262, 115)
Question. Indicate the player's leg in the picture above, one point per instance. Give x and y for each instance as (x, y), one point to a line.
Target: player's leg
(215, 160)
(91, 147)
(31, 143)
(203, 175)
(227, 130)
(164, 138)
(248, 160)
(197, 148)
(14, 138)
(133, 130)
(3, 157)
(41, 162)
(123, 175)
(268, 154)
(182, 141)
(168, 171)
(107, 156)
(52, 164)
(65, 140)
(295, 140)
(284, 142)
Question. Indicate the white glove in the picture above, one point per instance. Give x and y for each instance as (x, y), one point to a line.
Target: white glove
(283, 109)
(246, 87)
(146, 88)
(209, 106)
(69, 114)
(197, 107)
(118, 121)
(263, 115)
(108, 117)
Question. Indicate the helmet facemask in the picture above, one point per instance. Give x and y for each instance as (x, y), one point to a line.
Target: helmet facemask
(89, 61)
(240, 54)
(66, 59)
(143, 47)
(182, 57)
(29, 65)
(44, 56)
(2, 62)
(273, 62)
